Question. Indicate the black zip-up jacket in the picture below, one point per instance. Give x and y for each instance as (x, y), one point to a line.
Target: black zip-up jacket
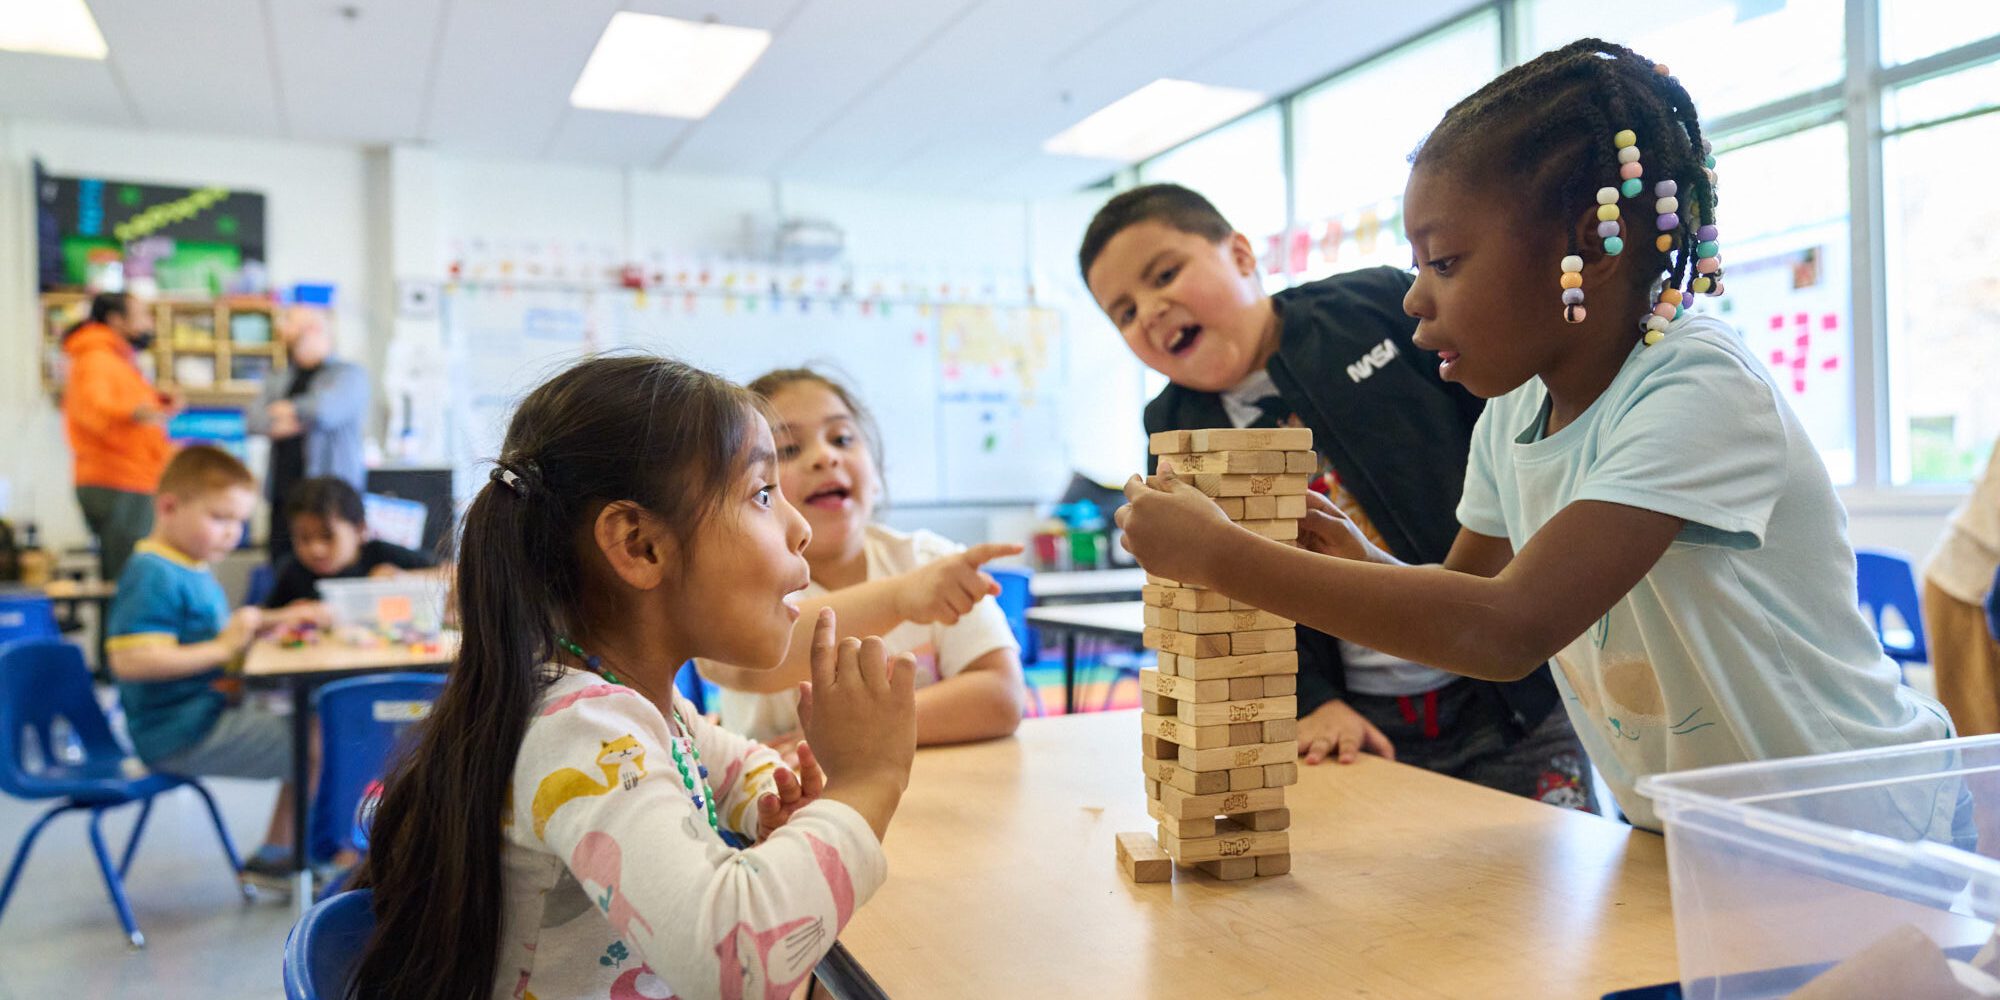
(1395, 433)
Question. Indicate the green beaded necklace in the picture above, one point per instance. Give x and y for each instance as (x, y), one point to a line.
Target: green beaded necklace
(704, 798)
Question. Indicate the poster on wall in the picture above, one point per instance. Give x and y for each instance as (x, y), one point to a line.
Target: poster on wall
(99, 233)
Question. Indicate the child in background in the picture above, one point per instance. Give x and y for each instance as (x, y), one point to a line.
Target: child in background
(170, 634)
(328, 528)
(1641, 503)
(1184, 289)
(553, 833)
(1964, 653)
(923, 594)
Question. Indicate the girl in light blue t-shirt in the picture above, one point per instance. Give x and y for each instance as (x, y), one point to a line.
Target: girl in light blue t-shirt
(1641, 505)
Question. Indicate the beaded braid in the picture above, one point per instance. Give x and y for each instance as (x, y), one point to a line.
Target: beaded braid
(1531, 116)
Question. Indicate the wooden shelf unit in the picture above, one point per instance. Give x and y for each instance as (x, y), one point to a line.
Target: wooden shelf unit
(198, 332)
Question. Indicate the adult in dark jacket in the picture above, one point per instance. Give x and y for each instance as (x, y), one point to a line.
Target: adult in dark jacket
(1335, 355)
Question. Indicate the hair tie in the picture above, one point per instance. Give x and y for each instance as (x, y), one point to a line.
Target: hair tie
(522, 478)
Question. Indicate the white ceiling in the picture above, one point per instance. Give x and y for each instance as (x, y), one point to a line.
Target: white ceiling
(952, 96)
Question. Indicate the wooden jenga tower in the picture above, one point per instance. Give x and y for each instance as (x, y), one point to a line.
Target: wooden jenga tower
(1221, 710)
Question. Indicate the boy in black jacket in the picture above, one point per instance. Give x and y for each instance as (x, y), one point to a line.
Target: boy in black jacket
(1335, 355)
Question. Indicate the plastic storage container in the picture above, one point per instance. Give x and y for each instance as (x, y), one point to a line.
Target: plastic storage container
(386, 603)
(1781, 869)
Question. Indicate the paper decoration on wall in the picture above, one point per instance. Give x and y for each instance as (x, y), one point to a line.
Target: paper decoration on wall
(1798, 359)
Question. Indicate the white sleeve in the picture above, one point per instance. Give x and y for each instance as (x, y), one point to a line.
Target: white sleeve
(608, 802)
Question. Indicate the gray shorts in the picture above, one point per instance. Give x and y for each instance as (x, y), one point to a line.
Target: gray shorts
(247, 741)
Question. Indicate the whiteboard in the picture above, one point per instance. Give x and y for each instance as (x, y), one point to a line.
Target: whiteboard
(968, 397)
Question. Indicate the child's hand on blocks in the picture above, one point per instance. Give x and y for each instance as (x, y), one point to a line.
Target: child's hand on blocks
(859, 714)
(775, 809)
(242, 627)
(1173, 529)
(1327, 530)
(942, 590)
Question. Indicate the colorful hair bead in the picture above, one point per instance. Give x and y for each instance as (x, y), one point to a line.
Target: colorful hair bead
(1572, 296)
(1665, 310)
(1706, 234)
(1607, 196)
(1654, 337)
(1572, 264)
(1571, 279)
(1630, 173)
(1667, 223)
(1607, 213)
(1671, 295)
(1613, 246)
(1664, 243)
(1572, 283)
(1574, 314)
(1701, 284)
(1666, 189)
(1625, 137)
(1629, 154)
(1607, 228)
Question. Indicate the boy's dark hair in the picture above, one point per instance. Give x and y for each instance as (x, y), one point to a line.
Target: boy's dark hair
(1172, 204)
(772, 382)
(103, 306)
(200, 468)
(656, 432)
(1542, 134)
(327, 498)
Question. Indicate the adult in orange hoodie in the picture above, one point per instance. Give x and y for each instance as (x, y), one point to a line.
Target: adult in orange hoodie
(117, 425)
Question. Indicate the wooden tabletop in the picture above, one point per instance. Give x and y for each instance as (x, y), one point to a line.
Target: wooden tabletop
(1120, 618)
(1087, 583)
(1405, 884)
(329, 655)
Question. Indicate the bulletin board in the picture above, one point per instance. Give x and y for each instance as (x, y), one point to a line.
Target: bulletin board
(968, 394)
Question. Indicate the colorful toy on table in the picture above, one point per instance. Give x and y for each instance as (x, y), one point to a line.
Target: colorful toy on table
(385, 635)
(297, 635)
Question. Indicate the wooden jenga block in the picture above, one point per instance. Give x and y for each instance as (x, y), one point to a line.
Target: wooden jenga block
(1243, 688)
(1181, 805)
(1142, 859)
(1158, 704)
(1157, 617)
(1280, 775)
(1166, 663)
(1232, 507)
(1276, 640)
(1277, 684)
(1263, 820)
(1213, 713)
(1152, 789)
(1238, 462)
(1297, 462)
(1222, 484)
(1250, 439)
(1188, 644)
(1252, 665)
(1154, 748)
(1251, 755)
(1241, 779)
(1198, 737)
(1274, 864)
(1182, 599)
(1199, 826)
(1183, 689)
(1170, 442)
(1243, 734)
(1277, 730)
(1161, 581)
(1211, 622)
(1167, 773)
(1278, 530)
(1238, 844)
(1230, 869)
(1287, 508)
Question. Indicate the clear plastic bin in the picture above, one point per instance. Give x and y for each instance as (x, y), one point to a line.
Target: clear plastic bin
(1781, 869)
(415, 602)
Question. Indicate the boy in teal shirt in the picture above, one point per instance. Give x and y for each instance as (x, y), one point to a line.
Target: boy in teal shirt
(170, 636)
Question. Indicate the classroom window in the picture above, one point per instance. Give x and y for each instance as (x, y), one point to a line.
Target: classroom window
(1942, 239)
(1353, 136)
(1239, 167)
(1913, 29)
(1732, 55)
(1783, 213)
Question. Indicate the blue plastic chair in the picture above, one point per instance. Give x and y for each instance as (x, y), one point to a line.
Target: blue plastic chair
(362, 723)
(1993, 608)
(689, 681)
(325, 945)
(42, 680)
(27, 616)
(1887, 581)
(1014, 600)
(263, 577)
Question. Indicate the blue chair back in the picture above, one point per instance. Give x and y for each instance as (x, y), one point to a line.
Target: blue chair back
(41, 681)
(362, 722)
(692, 687)
(1993, 608)
(326, 944)
(263, 577)
(27, 616)
(1887, 581)
(1014, 601)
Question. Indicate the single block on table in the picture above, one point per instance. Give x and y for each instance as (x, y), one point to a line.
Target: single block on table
(1141, 858)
